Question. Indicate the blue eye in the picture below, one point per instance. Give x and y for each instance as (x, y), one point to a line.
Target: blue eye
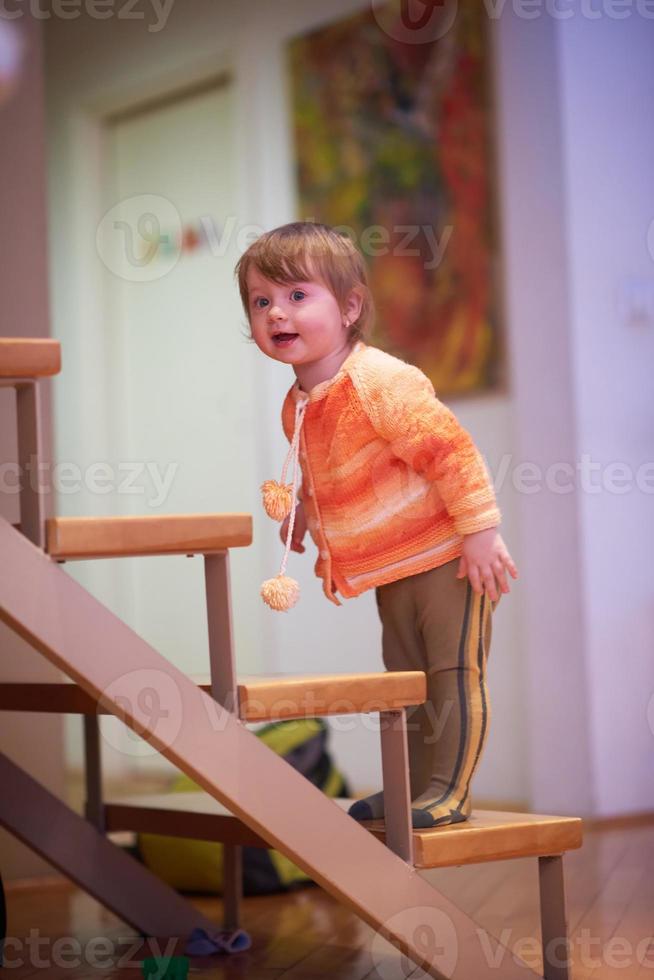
(258, 302)
(298, 294)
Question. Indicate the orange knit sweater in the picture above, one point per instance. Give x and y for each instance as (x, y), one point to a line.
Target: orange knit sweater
(390, 479)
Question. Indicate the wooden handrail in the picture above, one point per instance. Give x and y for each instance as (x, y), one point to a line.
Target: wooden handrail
(75, 538)
(267, 698)
(33, 357)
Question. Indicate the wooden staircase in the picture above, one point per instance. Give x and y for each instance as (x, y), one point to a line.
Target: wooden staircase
(250, 796)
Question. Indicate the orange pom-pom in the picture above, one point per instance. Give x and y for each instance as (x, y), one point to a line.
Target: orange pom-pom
(280, 593)
(277, 499)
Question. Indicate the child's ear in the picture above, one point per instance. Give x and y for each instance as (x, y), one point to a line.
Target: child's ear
(353, 304)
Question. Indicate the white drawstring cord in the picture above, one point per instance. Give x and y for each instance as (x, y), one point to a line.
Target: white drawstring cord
(294, 452)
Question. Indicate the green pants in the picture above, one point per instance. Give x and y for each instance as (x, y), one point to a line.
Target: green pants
(435, 622)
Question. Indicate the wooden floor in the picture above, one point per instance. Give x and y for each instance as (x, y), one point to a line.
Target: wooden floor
(306, 935)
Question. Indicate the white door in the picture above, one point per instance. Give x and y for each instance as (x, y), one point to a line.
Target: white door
(179, 367)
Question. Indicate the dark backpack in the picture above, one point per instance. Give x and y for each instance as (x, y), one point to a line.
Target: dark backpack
(197, 866)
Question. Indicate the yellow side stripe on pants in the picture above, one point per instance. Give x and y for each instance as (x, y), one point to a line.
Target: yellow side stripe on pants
(474, 712)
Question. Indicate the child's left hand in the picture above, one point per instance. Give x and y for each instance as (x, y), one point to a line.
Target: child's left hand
(485, 560)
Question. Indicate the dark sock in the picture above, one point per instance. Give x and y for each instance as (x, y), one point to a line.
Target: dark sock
(372, 808)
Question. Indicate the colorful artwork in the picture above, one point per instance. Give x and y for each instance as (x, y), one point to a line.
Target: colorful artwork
(393, 145)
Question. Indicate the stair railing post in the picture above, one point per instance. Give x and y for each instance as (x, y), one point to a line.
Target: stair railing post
(554, 927)
(93, 805)
(224, 690)
(397, 789)
(32, 488)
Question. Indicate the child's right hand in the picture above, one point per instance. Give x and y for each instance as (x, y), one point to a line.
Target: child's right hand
(299, 529)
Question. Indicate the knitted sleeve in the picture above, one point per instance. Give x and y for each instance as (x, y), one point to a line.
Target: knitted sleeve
(402, 407)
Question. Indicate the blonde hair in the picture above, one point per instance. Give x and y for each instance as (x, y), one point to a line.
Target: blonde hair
(302, 250)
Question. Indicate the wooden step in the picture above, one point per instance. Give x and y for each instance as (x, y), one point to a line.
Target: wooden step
(33, 357)
(261, 698)
(74, 538)
(265, 698)
(487, 835)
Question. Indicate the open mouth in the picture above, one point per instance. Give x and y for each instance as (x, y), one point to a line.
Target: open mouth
(284, 339)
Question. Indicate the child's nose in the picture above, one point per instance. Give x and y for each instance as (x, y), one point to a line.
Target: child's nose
(275, 313)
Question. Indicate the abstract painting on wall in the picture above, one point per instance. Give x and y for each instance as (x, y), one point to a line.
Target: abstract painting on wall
(393, 127)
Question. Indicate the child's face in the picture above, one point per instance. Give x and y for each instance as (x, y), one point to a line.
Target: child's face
(297, 323)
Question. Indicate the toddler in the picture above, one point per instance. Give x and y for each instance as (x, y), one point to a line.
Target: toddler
(394, 494)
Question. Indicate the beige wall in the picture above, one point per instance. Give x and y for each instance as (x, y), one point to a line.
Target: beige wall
(34, 742)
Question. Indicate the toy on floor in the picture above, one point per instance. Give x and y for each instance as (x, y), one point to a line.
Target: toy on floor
(203, 943)
(165, 967)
